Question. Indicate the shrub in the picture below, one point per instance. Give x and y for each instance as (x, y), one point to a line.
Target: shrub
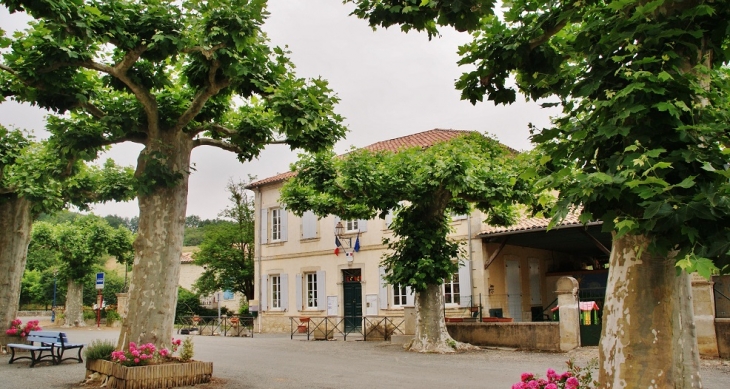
(112, 316)
(100, 349)
(186, 353)
(89, 314)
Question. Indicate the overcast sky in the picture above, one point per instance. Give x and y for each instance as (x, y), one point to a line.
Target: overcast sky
(391, 84)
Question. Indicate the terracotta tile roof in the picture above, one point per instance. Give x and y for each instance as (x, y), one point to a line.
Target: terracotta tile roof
(532, 224)
(186, 258)
(422, 139)
(271, 180)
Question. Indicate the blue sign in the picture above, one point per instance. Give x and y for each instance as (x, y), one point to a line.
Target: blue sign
(100, 280)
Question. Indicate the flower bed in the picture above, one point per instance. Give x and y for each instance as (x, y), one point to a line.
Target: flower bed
(164, 375)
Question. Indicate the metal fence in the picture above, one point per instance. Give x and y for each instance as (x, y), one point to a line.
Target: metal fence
(331, 327)
(216, 326)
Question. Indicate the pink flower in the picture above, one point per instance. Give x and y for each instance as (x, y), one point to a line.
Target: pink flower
(136, 360)
(572, 383)
(22, 334)
(551, 375)
(533, 385)
(565, 376)
(164, 352)
(526, 376)
(519, 385)
(551, 386)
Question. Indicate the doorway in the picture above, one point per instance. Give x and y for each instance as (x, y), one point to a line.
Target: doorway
(352, 299)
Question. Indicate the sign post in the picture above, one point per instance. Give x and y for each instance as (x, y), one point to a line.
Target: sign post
(99, 296)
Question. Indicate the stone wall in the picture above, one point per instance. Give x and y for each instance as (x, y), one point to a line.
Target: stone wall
(543, 336)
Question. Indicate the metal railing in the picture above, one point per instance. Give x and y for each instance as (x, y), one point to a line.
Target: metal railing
(216, 326)
(366, 328)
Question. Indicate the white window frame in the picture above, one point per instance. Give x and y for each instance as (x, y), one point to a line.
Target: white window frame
(452, 298)
(276, 224)
(310, 290)
(400, 295)
(275, 292)
(352, 226)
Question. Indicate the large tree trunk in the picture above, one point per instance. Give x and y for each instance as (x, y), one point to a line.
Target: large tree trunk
(158, 247)
(649, 338)
(431, 334)
(15, 226)
(75, 305)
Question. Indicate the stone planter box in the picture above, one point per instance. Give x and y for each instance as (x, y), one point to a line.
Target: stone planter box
(167, 375)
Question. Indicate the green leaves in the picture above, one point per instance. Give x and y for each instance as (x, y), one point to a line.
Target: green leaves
(421, 187)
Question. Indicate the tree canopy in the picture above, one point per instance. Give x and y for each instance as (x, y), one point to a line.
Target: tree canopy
(171, 76)
(641, 145)
(642, 142)
(227, 249)
(422, 188)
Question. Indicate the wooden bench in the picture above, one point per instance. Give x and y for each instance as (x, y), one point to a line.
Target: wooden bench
(54, 342)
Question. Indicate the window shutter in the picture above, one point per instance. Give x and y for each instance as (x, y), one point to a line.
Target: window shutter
(298, 285)
(264, 292)
(410, 297)
(321, 291)
(309, 225)
(362, 225)
(383, 289)
(284, 225)
(264, 226)
(284, 285)
(465, 284)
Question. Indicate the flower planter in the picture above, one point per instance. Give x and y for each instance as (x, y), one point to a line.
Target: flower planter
(165, 375)
(302, 328)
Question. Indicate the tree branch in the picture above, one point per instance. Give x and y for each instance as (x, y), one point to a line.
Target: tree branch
(4, 191)
(216, 143)
(199, 101)
(93, 110)
(207, 53)
(549, 33)
(8, 69)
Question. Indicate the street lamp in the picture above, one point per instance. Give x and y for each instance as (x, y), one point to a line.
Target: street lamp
(339, 230)
(53, 306)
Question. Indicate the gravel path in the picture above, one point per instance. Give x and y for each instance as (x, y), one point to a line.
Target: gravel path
(275, 361)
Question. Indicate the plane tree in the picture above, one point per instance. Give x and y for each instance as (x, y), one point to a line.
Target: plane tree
(227, 250)
(81, 246)
(641, 144)
(171, 76)
(422, 188)
(34, 179)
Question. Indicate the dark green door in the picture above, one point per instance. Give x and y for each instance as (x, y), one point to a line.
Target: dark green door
(352, 296)
(590, 315)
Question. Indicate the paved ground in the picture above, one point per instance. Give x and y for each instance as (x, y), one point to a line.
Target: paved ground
(275, 361)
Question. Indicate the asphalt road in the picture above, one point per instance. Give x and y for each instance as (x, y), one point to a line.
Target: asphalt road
(275, 361)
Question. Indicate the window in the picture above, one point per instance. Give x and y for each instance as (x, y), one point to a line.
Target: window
(400, 294)
(351, 226)
(275, 291)
(276, 224)
(310, 290)
(451, 289)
